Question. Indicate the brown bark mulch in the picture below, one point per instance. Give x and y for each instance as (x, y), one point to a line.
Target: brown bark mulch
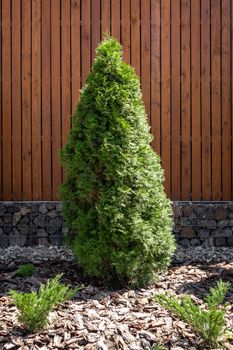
(98, 318)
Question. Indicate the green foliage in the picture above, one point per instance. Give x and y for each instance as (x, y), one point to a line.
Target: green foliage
(158, 347)
(113, 196)
(217, 294)
(26, 270)
(209, 323)
(35, 307)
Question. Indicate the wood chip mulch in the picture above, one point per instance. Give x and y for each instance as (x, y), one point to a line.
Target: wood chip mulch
(98, 318)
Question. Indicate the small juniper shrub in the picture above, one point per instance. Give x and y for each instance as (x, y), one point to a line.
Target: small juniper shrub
(113, 196)
(34, 308)
(209, 323)
(26, 270)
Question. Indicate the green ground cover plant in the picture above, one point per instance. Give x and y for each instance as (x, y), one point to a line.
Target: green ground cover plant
(209, 323)
(26, 270)
(34, 308)
(113, 197)
(158, 347)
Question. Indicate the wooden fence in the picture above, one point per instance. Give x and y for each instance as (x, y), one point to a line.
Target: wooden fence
(182, 50)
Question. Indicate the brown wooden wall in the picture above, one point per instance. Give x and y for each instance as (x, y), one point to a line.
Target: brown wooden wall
(182, 50)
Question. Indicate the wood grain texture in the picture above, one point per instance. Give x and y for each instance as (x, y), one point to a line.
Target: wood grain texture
(226, 100)
(186, 99)
(1, 165)
(135, 36)
(56, 93)
(36, 101)
(115, 19)
(205, 99)
(216, 99)
(106, 17)
(26, 101)
(182, 53)
(16, 102)
(145, 54)
(95, 28)
(232, 98)
(175, 100)
(6, 103)
(125, 32)
(86, 40)
(46, 98)
(65, 70)
(155, 75)
(75, 54)
(166, 91)
(196, 99)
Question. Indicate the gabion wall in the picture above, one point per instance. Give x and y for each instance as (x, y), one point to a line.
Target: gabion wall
(204, 223)
(41, 223)
(31, 223)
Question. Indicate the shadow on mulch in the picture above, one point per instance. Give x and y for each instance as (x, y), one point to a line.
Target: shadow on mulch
(72, 276)
(44, 271)
(201, 288)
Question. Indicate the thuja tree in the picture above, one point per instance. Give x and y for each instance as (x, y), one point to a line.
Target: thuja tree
(113, 196)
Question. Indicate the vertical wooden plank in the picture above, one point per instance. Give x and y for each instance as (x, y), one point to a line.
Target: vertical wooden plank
(165, 98)
(175, 99)
(205, 99)
(185, 93)
(36, 100)
(232, 93)
(145, 54)
(16, 100)
(46, 108)
(155, 75)
(26, 100)
(105, 17)
(216, 100)
(196, 99)
(66, 111)
(86, 42)
(1, 180)
(135, 36)
(56, 86)
(226, 100)
(95, 26)
(126, 18)
(75, 44)
(116, 19)
(6, 105)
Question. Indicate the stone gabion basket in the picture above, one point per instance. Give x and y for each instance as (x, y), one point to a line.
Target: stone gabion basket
(41, 223)
(31, 223)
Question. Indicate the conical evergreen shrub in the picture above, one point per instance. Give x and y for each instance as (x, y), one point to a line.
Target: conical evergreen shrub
(113, 196)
